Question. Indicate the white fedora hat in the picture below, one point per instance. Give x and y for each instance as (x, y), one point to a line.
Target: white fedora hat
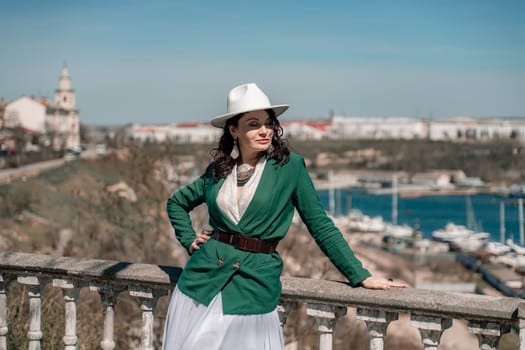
(246, 98)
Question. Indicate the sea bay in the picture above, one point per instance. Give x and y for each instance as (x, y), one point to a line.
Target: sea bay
(429, 213)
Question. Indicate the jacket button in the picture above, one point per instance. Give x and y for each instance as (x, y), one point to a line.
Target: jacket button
(220, 262)
(236, 265)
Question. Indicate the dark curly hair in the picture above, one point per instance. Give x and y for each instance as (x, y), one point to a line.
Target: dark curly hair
(224, 163)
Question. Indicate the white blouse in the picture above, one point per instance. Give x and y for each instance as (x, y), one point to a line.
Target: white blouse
(227, 196)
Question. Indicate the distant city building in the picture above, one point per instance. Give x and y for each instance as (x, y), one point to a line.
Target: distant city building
(378, 128)
(148, 133)
(27, 113)
(192, 132)
(450, 129)
(467, 128)
(3, 104)
(195, 133)
(198, 132)
(58, 121)
(306, 129)
(347, 128)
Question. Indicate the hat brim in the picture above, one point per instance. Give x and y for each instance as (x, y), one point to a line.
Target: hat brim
(220, 121)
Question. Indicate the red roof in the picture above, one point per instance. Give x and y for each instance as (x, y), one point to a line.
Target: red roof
(188, 125)
(319, 125)
(145, 128)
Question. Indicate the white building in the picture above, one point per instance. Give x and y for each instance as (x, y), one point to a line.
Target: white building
(195, 133)
(149, 133)
(178, 133)
(58, 120)
(341, 128)
(468, 128)
(306, 129)
(450, 129)
(62, 120)
(378, 128)
(28, 113)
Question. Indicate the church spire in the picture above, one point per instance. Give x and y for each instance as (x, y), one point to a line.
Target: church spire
(65, 79)
(65, 95)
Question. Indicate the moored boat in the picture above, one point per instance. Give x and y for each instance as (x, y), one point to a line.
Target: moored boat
(358, 222)
(451, 232)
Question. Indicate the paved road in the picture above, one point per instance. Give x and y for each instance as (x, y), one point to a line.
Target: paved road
(29, 170)
(8, 175)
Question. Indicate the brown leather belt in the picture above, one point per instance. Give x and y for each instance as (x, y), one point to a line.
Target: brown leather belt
(249, 244)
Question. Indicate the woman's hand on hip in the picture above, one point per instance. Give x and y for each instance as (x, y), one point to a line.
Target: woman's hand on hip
(201, 239)
(381, 283)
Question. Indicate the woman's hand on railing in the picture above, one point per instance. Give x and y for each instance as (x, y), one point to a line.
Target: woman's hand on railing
(381, 283)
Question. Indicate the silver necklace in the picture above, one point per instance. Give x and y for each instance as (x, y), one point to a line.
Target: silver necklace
(244, 173)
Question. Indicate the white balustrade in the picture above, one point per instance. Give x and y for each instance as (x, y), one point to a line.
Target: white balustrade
(70, 289)
(325, 317)
(430, 328)
(109, 299)
(489, 333)
(148, 299)
(35, 286)
(521, 325)
(283, 309)
(4, 330)
(377, 322)
(431, 312)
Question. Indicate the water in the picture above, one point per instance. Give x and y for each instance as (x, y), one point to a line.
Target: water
(432, 212)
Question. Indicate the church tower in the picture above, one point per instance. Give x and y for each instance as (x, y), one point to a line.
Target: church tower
(62, 121)
(65, 95)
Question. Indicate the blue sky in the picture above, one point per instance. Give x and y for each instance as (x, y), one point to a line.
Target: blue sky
(173, 61)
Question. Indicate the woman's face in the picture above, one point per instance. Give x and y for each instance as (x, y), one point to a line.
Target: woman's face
(254, 132)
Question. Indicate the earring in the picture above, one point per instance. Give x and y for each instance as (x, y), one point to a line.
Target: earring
(235, 150)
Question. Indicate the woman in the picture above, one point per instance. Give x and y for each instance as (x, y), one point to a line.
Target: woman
(227, 295)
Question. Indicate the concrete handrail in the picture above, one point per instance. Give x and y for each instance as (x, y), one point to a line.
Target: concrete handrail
(455, 305)
(431, 312)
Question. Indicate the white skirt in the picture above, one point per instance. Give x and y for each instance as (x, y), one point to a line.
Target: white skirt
(193, 326)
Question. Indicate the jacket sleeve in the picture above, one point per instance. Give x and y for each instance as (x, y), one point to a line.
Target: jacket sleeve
(323, 230)
(179, 206)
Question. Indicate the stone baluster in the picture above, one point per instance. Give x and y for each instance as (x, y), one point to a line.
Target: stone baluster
(35, 285)
(283, 309)
(70, 289)
(488, 333)
(521, 325)
(430, 328)
(325, 316)
(377, 322)
(4, 330)
(148, 299)
(109, 295)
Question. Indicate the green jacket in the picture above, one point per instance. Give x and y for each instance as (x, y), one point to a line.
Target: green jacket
(250, 282)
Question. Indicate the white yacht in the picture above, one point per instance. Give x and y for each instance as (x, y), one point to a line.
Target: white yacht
(496, 248)
(451, 232)
(515, 247)
(399, 231)
(470, 243)
(358, 222)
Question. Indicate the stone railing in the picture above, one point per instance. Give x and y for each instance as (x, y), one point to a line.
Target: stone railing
(430, 312)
